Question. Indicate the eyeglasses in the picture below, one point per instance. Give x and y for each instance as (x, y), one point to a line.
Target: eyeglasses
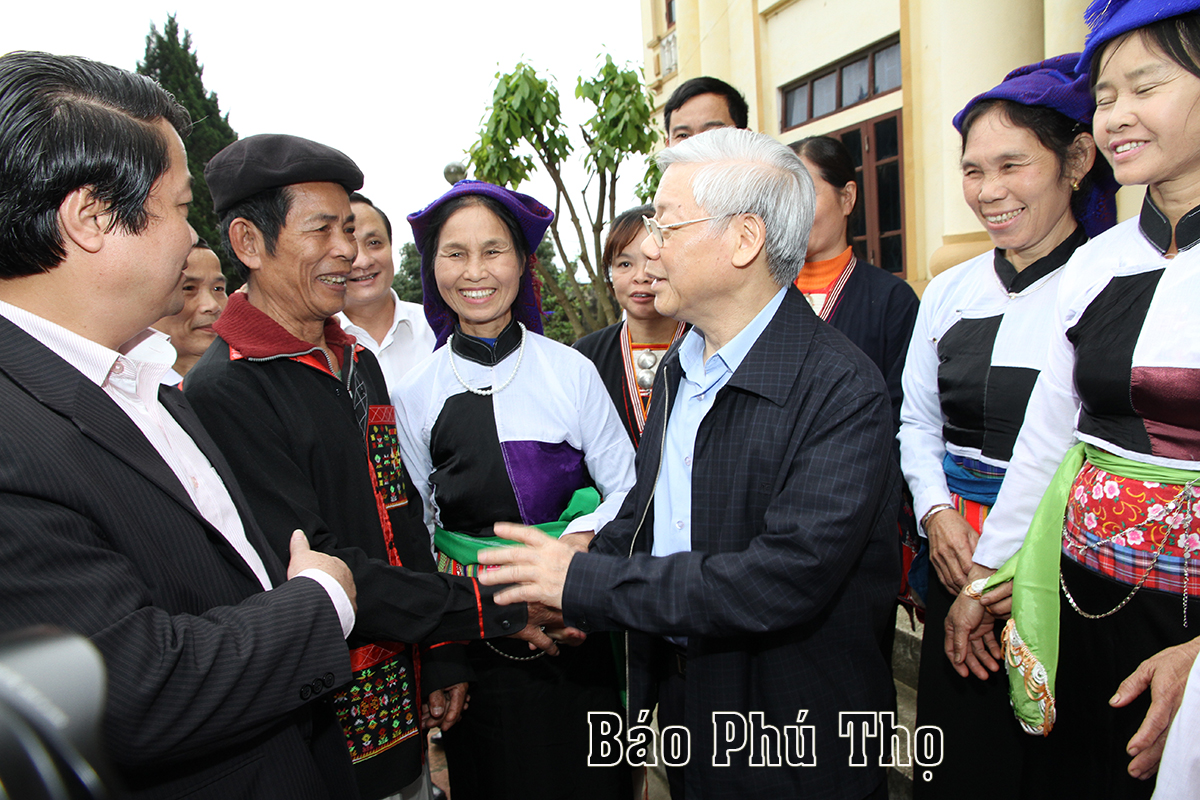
(655, 230)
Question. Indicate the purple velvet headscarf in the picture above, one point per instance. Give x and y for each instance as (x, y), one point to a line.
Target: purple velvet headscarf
(532, 217)
(1055, 84)
(1108, 19)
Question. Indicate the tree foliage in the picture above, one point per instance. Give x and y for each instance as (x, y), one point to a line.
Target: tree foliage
(407, 282)
(172, 62)
(524, 130)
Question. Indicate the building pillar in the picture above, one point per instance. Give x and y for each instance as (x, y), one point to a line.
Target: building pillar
(952, 51)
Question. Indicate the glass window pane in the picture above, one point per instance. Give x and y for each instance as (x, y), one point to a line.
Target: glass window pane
(853, 141)
(891, 253)
(888, 185)
(824, 95)
(887, 139)
(856, 225)
(854, 82)
(887, 69)
(670, 12)
(795, 106)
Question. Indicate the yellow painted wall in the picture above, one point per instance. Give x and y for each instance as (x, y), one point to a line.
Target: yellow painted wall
(951, 50)
(805, 35)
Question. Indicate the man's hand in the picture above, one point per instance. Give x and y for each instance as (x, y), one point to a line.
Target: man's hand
(970, 642)
(951, 544)
(444, 707)
(578, 540)
(1166, 674)
(303, 558)
(539, 569)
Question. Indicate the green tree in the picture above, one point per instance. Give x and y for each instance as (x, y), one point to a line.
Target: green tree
(554, 318)
(525, 117)
(407, 282)
(177, 68)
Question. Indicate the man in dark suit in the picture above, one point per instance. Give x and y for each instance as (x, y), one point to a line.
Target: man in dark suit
(756, 560)
(119, 519)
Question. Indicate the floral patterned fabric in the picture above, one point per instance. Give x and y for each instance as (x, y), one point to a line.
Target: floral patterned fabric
(1118, 526)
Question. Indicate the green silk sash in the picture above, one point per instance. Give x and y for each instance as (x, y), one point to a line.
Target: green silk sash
(1031, 636)
(465, 548)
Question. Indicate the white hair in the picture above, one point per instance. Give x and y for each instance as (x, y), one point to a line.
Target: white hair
(744, 172)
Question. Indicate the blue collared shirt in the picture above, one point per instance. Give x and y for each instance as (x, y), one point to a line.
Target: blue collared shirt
(697, 389)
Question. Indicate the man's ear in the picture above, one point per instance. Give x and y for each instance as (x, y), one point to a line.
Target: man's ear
(85, 219)
(247, 242)
(750, 237)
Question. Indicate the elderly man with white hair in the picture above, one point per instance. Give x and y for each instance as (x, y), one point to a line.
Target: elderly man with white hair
(756, 560)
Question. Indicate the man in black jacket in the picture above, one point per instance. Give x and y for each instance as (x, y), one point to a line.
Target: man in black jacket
(303, 415)
(756, 560)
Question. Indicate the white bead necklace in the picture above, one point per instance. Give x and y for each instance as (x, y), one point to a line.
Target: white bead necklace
(500, 388)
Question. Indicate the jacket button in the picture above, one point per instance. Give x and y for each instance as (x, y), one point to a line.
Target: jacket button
(317, 686)
(505, 624)
(328, 680)
(305, 692)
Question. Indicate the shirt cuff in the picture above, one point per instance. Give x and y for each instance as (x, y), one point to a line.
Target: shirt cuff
(341, 600)
(584, 524)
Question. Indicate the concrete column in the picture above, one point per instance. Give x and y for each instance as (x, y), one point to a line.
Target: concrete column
(1064, 26)
(952, 51)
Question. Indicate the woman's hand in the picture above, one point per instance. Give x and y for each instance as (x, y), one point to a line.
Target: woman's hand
(998, 601)
(971, 642)
(951, 544)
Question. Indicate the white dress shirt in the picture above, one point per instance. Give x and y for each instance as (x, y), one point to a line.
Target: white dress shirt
(407, 343)
(133, 385)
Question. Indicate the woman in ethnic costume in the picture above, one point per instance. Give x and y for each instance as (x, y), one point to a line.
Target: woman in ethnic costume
(503, 424)
(872, 307)
(628, 353)
(1031, 177)
(1111, 446)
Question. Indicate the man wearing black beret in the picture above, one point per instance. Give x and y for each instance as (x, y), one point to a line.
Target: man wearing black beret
(303, 415)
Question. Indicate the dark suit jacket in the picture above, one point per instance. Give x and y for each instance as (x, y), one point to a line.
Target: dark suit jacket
(786, 595)
(207, 673)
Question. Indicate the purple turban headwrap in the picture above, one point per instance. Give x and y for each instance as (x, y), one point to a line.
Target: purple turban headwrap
(1108, 19)
(532, 217)
(1055, 84)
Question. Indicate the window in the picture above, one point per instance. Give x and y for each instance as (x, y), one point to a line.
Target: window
(670, 13)
(877, 225)
(853, 80)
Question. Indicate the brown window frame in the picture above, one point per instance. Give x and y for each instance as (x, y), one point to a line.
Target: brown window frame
(836, 69)
(868, 246)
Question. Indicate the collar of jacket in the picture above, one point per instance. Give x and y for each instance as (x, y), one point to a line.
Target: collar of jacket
(1155, 226)
(473, 349)
(250, 333)
(771, 366)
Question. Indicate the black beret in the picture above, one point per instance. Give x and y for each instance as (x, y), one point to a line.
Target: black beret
(267, 160)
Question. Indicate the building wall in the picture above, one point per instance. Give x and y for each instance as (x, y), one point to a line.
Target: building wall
(951, 50)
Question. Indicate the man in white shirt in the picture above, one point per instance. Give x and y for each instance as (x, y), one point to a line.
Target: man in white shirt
(119, 519)
(394, 330)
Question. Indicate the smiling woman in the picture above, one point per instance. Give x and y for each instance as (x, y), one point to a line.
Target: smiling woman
(1030, 175)
(1100, 500)
(504, 425)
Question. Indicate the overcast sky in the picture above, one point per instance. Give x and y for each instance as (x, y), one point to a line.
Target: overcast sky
(401, 87)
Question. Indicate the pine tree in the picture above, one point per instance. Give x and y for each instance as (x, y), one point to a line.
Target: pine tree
(177, 68)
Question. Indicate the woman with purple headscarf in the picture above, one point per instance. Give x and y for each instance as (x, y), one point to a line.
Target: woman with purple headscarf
(1031, 176)
(503, 424)
(1102, 499)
